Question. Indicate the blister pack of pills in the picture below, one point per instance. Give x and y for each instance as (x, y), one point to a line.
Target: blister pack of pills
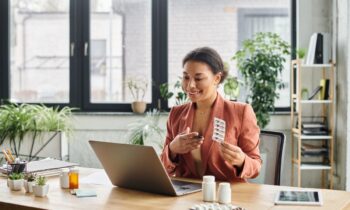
(219, 130)
(215, 206)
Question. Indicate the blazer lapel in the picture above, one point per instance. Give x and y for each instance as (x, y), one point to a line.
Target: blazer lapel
(187, 121)
(218, 112)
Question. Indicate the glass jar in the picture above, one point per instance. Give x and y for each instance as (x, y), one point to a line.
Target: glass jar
(74, 178)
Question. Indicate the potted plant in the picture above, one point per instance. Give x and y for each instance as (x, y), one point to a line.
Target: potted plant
(261, 62)
(180, 96)
(15, 181)
(164, 94)
(138, 88)
(29, 181)
(41, 188)
(147, 131)
(29, 129)
(301, 52)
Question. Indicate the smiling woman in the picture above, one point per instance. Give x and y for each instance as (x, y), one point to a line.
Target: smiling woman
(232, 157)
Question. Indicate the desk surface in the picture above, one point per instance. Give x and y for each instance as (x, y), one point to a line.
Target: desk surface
(249, 196)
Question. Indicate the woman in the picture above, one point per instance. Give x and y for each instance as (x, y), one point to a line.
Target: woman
(189, 149)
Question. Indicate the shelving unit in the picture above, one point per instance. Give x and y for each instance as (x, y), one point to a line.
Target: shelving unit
(299, 162)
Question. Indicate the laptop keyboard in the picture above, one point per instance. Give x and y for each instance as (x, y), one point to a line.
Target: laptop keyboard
(180, 183)
(185, 186)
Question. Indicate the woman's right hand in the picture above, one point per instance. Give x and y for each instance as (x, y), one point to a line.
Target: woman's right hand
(185, 142)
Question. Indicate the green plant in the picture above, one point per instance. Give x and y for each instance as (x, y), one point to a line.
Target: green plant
(30, 177)
(180, 96)
(261, 62)
(231, 87)
(164, 91)
(16, 176)
(41, 181)
(140, 130)
(138, 88)
(301, 53)
(18, 120)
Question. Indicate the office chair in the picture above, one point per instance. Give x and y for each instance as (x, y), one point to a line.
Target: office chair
(272, 152)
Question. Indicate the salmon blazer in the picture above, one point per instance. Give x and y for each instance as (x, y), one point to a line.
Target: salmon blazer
(241, 130)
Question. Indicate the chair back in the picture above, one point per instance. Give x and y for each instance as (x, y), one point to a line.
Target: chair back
(272, 152)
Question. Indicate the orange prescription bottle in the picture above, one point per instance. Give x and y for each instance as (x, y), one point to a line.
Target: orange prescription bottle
(74, 178)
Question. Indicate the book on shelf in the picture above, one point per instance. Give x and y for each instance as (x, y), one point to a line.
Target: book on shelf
(320, 47)
(315, 131)
(324, 95)
(313, 125)
(313, 148)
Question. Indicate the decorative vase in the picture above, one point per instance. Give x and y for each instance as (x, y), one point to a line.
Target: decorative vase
(15, 185)
(28, 186)
(138, 107)
(41, 191)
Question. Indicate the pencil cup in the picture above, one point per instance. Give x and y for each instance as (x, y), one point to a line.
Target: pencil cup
(224, 193)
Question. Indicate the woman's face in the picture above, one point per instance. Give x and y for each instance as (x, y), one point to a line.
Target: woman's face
(199, 82)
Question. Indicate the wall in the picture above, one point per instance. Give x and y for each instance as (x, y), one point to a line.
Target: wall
(343, 106)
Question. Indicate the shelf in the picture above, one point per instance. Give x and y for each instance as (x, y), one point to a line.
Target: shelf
(313, 137)
(304, 166)
(326, 65)
(314, 101)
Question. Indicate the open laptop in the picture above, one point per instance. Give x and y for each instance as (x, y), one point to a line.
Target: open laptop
(139, 167)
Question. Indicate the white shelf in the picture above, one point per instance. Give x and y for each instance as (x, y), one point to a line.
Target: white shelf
(320, 137)
(314, 167)
(327, 65)
(314, 101)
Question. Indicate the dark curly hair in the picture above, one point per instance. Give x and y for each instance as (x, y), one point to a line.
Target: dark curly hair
(210, 57)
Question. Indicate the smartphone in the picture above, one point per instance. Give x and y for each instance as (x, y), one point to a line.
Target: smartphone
(199, 137)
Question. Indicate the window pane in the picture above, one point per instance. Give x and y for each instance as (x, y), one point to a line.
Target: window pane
(120, 39)
(39, 31)
(222, 25)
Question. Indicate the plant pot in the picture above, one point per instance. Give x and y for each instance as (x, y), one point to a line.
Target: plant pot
(138, 107)
(28, 186)
(41, 191)
(15, 185)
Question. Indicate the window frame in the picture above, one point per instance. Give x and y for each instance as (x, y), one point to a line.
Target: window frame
(79, 91)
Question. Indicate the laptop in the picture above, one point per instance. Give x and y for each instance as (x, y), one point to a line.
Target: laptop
(139, 168)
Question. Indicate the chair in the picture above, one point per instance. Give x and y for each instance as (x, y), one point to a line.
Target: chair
(272, 152)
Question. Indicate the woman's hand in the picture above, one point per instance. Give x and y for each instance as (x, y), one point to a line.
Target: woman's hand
(232, 154)
(185, 142)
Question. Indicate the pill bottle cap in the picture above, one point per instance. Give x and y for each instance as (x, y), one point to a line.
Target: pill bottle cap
(64, 170)
(224, 184)
(208, 178)
(74, 170)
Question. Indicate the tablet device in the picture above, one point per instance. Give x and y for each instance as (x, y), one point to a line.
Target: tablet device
(299, 197)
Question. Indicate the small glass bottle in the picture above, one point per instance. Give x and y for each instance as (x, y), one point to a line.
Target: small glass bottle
(74, 178)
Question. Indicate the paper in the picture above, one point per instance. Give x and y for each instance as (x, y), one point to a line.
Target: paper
(80, 193)
(99, 178)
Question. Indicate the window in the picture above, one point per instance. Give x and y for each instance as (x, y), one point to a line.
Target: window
(81, 53)
(223, 25)
(39, 34)
(120, 37)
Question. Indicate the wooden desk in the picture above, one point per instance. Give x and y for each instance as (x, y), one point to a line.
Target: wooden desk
(249, 196)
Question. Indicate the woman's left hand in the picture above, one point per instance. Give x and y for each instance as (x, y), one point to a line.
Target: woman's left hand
(232, 154)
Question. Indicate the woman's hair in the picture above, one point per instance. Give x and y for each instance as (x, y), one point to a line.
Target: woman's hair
(210, 57)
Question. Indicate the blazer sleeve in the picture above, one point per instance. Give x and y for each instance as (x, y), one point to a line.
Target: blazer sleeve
(165, 156)
(248, 141)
